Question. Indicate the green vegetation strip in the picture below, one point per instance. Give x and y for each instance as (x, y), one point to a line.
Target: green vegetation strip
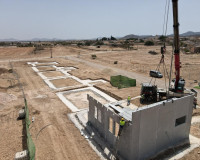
(197, 87)
(30, 144)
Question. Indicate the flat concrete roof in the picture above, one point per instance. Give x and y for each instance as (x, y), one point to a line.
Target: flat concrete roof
(126, 112)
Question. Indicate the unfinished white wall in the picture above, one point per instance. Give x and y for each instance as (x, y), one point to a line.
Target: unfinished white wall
(152, 128)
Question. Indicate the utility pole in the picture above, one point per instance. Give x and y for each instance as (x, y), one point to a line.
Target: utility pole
(51, 52)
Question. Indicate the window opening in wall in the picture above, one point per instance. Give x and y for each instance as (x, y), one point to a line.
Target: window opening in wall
(99, 116)
(180, 121)
(111, 125)
(95, 112)
(116, 129)
(113, 128)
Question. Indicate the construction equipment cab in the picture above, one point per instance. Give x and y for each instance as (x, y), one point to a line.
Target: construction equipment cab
(148, 93)
(155, 74)
(180, 87)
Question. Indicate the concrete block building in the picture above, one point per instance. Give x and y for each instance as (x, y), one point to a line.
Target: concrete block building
(149, 129)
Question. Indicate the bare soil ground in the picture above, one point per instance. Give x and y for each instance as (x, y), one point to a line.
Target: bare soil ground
(142, 62)
(195, 130)
(12, 131)
(193, 155)
(15, 52)
(43, 68)
(61, 139)
(79, 99)
(53, 74)
(65, 82)
(102, 48)
(196, 112)
(90, 73)
(27, 52)
(122, 93)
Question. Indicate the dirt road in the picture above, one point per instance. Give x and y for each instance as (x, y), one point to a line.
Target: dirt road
(117, 71)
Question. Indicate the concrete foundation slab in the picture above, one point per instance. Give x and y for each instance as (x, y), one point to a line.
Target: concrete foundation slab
(79, 99)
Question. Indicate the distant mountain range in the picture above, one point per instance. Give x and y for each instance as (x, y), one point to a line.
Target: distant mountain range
(32, 40)
(136, 36)
(186, 34)
(190, 33)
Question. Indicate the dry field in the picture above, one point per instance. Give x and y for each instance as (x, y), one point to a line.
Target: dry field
(61, 139)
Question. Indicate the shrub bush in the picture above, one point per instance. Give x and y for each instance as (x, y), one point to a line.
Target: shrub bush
(99, 43)
(162, 38)
(87, 43)
(79, 44)
(149, 43)
(93, 56)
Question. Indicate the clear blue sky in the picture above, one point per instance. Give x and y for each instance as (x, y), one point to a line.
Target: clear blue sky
(84, 19)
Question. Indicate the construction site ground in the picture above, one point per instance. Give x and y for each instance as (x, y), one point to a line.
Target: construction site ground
(61, 139)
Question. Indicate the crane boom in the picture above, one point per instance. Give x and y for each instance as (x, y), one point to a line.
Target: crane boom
(179, 83)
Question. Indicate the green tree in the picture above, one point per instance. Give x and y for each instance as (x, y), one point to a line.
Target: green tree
(79, 44)
(87, 43)
(141, 41)
(112, 38)
(104, 39)
(162, 38)
(149, 43)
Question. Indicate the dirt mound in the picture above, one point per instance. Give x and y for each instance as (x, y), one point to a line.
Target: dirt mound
(6, 98)
(4, 70)
(7, 83)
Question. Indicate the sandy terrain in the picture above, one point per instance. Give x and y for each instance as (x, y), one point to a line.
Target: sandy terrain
(195, 130)
(53, 74)
(141, 61)
(194, 155)
(64, 82)
(15, 52)
(43, 68)
(8, 53)
(61, 139)
(12, 135)
(122, 93)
